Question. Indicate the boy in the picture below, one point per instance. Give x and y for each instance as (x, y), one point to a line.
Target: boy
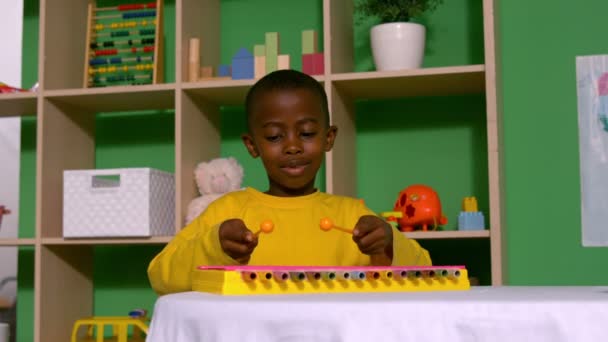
(288, 128)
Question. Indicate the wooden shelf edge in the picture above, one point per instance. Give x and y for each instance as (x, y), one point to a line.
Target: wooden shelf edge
(222, 83)
(155, 240)
(6, 242)
(18, 104)
(18, 96)
(460, 69)
(449, 234)
(109, 90)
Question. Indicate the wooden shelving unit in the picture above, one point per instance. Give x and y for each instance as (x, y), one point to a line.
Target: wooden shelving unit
(65, 114)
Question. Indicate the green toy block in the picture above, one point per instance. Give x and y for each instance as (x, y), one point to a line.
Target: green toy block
(272, 51)
(259, 50)
(309, 42)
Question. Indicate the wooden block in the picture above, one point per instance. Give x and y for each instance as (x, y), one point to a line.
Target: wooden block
(259, 50)
(242, 65)
(283, 62)
(318, 63)
(307, 64)
(194, 59)
(309, 41)
(223, 70)
(207, 71)
(226, 78)
(272, 51)
(259, 67)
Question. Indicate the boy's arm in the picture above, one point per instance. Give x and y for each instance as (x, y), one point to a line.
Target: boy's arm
(197, 244)
(407, 252)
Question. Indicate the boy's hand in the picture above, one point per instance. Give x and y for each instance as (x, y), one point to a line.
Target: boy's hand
(374, 237)
(237, 241)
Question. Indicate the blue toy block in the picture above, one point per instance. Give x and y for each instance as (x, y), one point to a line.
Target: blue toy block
(242, 65)
(470, 220)
(223, 70)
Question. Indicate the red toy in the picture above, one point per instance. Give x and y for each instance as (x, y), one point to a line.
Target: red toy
(420, 207)
(5, 89)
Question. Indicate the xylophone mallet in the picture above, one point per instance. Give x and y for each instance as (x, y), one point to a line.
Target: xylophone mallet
(327, 224)
(265, 227)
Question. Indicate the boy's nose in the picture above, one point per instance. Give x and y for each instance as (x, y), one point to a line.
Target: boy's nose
(293, 146)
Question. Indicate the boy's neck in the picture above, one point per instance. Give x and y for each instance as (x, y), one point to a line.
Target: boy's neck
(279, 191)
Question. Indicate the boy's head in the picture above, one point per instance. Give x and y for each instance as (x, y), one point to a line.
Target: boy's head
(288, 128)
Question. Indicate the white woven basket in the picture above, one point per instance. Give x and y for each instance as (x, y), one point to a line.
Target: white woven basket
(133, 202)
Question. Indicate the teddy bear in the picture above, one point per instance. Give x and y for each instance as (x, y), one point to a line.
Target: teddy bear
(214, 178)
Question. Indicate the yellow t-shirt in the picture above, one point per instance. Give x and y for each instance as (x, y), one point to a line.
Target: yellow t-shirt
(296, 239)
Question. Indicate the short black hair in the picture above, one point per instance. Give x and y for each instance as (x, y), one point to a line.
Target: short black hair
(285, 80)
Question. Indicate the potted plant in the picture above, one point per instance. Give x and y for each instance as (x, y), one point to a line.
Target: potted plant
(397, 43)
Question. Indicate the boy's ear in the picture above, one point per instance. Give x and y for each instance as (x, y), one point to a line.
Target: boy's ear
(250, 145)
(330, 137)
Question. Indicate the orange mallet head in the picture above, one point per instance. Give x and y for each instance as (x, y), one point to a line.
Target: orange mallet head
(265, 227)
(327, 224)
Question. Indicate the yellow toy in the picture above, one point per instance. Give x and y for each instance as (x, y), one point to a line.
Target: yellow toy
(243, 280)
(92, 329)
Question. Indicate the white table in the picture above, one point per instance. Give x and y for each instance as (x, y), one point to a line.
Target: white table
(555, 314)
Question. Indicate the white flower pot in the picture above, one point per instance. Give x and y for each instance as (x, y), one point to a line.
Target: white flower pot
(397, 46)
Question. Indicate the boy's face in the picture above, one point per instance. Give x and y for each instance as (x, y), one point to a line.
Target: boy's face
(288, 130)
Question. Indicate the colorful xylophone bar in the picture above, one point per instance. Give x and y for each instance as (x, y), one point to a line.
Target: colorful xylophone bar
(249, 280)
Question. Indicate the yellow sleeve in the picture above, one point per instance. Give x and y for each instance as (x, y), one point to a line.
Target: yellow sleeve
(197, 244)
(407, 252)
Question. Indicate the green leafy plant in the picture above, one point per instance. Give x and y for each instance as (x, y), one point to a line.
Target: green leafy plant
(389, 11)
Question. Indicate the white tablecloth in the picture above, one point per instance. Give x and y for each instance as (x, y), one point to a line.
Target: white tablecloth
(555, 314)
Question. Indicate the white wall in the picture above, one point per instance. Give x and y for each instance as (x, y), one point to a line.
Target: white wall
(11, 28)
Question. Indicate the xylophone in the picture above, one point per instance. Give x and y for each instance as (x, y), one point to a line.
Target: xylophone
(256, 280)
(124, 44)
(241, 280)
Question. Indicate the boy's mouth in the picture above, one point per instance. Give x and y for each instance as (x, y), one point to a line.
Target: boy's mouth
(294, 167)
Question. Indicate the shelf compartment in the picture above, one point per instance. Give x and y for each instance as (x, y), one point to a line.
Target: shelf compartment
(64, 23)
(219, 42)
(18, 104)
(224, 92)
(121, 98)
(64, 280)
(449, 234)
(155, 240)
(17, 242)
(442, 81)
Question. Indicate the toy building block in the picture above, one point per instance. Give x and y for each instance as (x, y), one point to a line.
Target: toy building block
(307, 64)
(469, 204)
(318, 63)
(224, 70)
(309, 42)
(284, 62)
(272, 51)
(470, 218)
(313, 64)
(242, 65)
(259, 60)
(194, 59)
(207, 72)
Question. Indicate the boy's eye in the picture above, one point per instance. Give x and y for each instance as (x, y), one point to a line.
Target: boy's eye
(309, 134)
(273, 138)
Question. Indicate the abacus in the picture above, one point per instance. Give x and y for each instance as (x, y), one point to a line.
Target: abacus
(124, 45)
(256, 280)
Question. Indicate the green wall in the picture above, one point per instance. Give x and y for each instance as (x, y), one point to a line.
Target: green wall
(539, 43)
